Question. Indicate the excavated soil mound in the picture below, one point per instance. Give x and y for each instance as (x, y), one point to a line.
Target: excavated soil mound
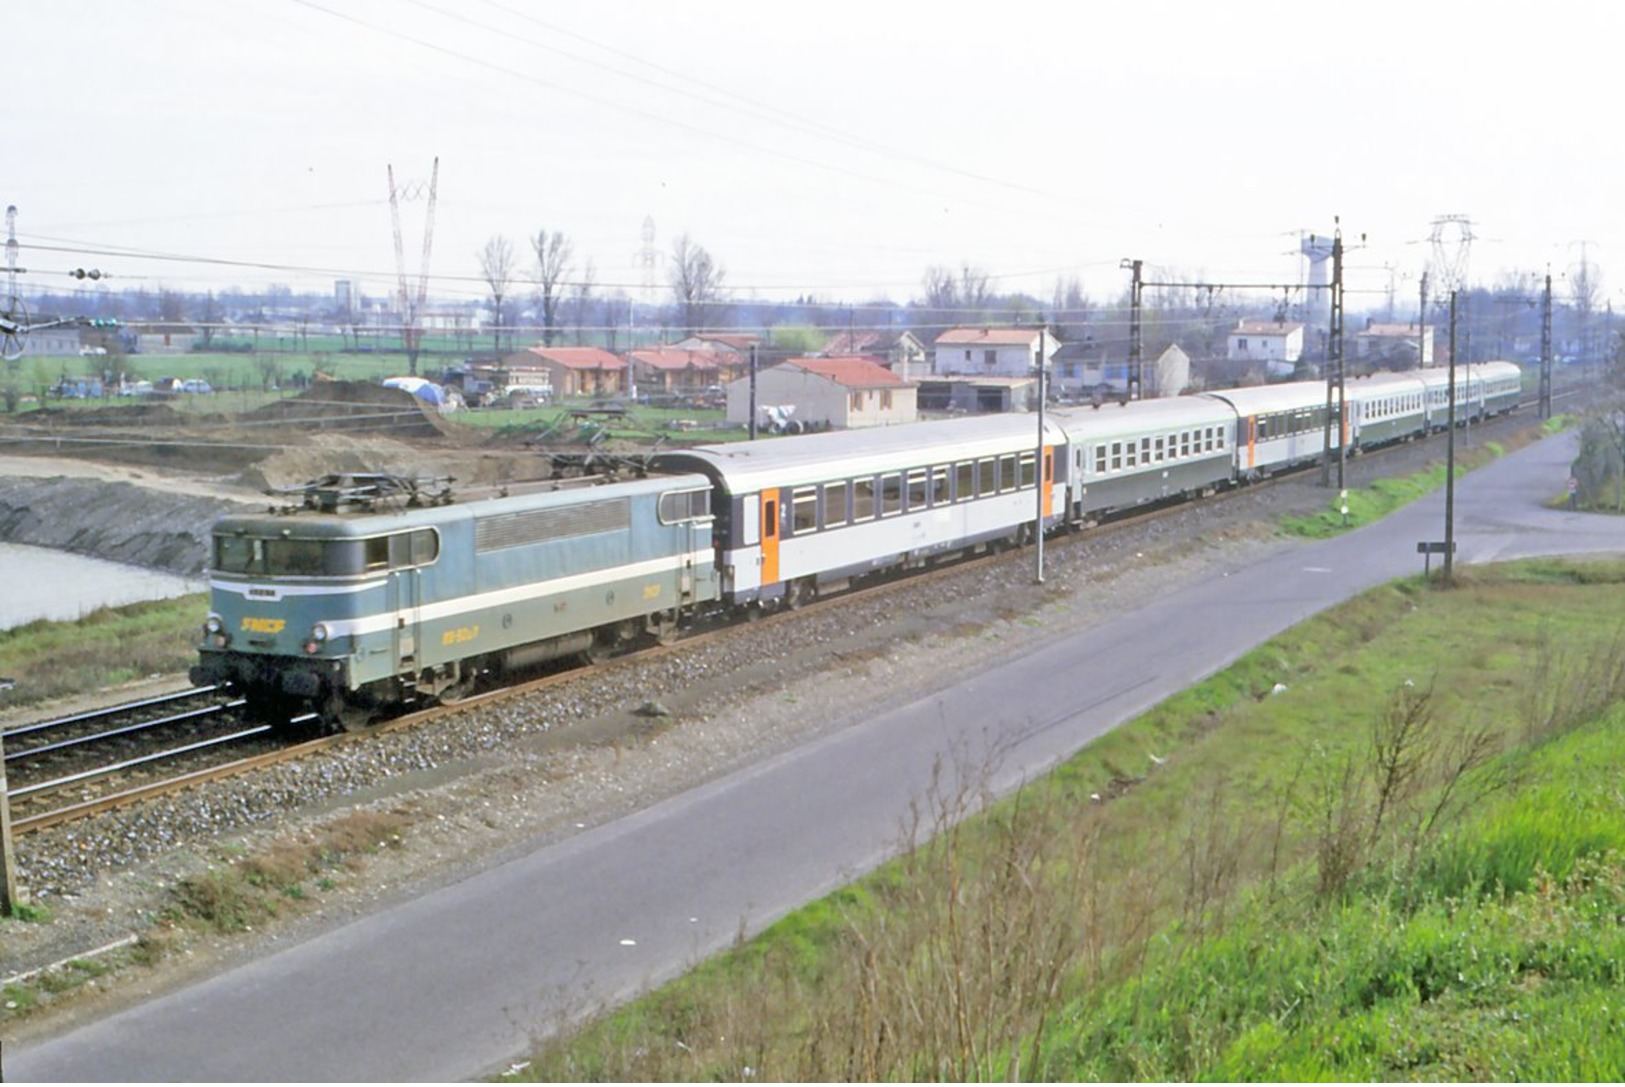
(354, 407)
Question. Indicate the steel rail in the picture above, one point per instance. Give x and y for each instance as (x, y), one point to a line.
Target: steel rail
(140, 760)
(125, 730)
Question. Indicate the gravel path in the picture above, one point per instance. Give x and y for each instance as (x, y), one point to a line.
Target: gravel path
(502, 778)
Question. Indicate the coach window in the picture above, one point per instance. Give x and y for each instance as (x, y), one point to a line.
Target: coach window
(1100, 459)
(1029, 470)
(1184, 443)
(941, 492)
(1007, 472)
(1145, 451)
(1131, 451)
(1157, 449)
(987, 477)
(964, 480)
(803, 510)
(1117, 456)
(1218, 437)
(863, 499)
(917, 478)
(891, 494)
(834, 504)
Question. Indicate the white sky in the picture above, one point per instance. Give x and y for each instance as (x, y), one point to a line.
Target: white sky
(833, 148)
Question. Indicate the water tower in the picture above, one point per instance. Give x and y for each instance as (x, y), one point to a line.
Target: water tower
(1317, 310)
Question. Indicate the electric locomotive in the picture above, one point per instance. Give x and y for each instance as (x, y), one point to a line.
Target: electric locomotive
(363, 598)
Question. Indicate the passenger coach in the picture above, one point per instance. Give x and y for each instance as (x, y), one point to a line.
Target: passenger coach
(796, 514)
(1122, 456)
(1280, 426)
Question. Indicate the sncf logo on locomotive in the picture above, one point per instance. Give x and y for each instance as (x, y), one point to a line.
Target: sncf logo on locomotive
(263, 626)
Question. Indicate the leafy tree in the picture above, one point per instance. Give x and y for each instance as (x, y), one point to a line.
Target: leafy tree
(798, 339)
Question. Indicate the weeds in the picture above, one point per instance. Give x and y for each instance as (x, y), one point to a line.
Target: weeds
(250, 890)
(1421, 894)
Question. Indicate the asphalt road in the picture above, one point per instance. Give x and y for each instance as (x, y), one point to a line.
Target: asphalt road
(451, 985)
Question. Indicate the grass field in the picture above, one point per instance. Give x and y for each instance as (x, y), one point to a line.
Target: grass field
(1404, 865)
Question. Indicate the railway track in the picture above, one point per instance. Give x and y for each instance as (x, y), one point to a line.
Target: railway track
(77, 766)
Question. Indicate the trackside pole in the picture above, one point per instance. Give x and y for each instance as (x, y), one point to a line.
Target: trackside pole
(11, 892)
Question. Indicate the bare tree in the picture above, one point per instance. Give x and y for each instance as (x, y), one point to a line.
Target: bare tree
(973, 291)
(496, 268)
(553, 253)
(940, 287)
(1585, 286)
(696, 282)
(581, 300)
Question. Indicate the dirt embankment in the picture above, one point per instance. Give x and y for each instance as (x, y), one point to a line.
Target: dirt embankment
(142, 484)
(109, 519)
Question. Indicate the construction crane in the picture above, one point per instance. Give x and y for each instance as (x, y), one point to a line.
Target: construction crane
(411, 301)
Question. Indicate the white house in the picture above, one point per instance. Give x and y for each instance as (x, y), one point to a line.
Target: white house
(842, 393)
(1271, 342)
(990, 352)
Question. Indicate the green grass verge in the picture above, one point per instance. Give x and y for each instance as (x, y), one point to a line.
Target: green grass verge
(52, 659)
(1388, 844)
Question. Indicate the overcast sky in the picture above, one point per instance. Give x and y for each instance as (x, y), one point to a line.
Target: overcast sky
(835, 149)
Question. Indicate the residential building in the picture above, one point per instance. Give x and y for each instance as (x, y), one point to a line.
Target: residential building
(990, 352)
(1394, 346)
(842, 393)
(677, 370)
(900, 351)
(1277, 344)
(570, 371)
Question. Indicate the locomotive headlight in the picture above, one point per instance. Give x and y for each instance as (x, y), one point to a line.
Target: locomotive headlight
(214, 624)
(318, 633)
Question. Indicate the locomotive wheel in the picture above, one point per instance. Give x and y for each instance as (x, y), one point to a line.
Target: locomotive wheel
(608, 641)
(664, 627)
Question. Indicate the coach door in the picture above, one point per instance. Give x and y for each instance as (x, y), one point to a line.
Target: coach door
(770, 536)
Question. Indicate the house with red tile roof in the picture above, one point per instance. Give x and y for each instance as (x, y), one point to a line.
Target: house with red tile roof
(899, 350)
(990, 352)
(571, 371)
(738, 342)
(842, 393)
(680, 370)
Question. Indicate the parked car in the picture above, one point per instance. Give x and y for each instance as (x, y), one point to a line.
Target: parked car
(196, 385)
(135, 388)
